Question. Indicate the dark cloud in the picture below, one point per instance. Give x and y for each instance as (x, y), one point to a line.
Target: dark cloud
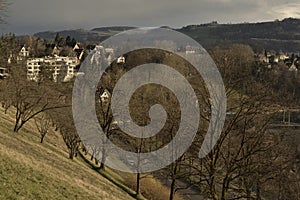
(28, 16)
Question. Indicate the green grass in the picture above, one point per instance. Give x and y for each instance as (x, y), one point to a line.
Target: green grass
(30, 170)
(112, 177)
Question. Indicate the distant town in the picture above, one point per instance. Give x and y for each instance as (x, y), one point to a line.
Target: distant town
(61, 59)
(63, 56)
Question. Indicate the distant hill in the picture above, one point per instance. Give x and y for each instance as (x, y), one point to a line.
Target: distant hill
(81, 35)
(113, 29)
(276, 35)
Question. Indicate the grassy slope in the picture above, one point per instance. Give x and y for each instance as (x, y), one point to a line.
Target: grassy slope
(30, 170)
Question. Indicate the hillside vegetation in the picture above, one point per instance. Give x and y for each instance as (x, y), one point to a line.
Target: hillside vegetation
(250, 160)
(275, 35)
(30, 170)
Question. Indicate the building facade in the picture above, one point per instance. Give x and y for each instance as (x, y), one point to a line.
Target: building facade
(58, 66)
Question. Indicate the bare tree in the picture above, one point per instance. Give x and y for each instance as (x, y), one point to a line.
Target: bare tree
(29, 98)
(63, 120)
(103, 106)
(246, 157)
(43, 124)
(5, 98)
(106, 119)
(71, 140)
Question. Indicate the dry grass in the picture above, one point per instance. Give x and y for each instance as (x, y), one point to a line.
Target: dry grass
(30, 170)
(151, 188)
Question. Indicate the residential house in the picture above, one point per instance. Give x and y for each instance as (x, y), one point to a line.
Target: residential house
(22, 55)
(121, 60)
(79, 53)
(297, 62)
(190, 50)
(10, 58)
(109, 54)
(283, 57)
(273, 59)
(3, 73)
(288, 62)
(293, 68)
(105, 96)
(53, 49)
(75, 46)
(24, 52)
(263, 58)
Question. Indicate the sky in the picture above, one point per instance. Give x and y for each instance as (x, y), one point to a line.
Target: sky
(31, 16)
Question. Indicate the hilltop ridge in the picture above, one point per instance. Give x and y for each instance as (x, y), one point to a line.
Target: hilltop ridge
(274, 35)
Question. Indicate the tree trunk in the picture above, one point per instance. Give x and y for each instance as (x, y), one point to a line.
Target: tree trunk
(103, 159)
(172, 189)
(17, 126)
(16, 129)
(18, 118)
(225, 188)
(212, 189)
(71, 155)
(212, 186)
(138, 179)
(258, 197)
(248, 193)
(173, 183)
(42, 138)
(102, 165)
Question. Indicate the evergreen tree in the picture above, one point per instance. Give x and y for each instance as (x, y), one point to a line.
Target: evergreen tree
(69, 41)
(57, 37)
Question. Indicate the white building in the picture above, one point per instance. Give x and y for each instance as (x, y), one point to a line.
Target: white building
(23, 54)
(105, 96)
(3, 73)
(283, 57)
(109, 54)
(57, 65)
(121, 60)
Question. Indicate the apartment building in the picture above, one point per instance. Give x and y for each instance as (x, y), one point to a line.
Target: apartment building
(63, 67)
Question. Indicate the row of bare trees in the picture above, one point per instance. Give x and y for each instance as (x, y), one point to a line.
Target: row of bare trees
(249, 160)
(44, 102)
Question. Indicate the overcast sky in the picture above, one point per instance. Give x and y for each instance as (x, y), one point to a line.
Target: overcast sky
(30, 16)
